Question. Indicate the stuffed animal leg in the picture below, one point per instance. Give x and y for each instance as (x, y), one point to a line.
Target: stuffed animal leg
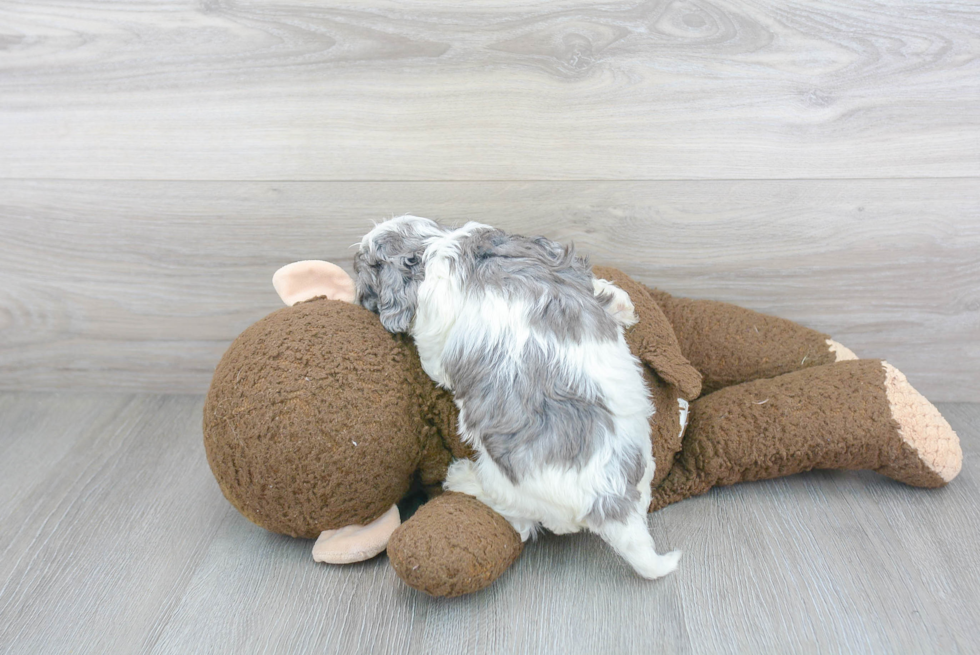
(780, 398)
(859, 414)
(728, 344)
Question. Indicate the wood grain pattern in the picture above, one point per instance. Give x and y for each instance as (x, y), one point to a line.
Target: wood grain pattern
(117, 539)
(101, 540)
(125, 285)
(687, 89)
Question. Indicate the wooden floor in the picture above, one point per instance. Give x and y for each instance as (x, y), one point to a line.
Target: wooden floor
(115, 539)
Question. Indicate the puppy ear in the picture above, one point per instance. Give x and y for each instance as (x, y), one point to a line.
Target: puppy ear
(398, 298)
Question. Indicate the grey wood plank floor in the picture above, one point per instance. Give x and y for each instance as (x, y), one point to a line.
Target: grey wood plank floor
(115, 538)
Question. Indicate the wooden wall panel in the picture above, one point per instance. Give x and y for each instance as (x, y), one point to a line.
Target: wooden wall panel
(693, 89)
(142, 285)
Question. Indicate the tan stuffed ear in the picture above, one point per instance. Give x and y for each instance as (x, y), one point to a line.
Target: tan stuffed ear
(652, 339)
(356, 543)
(312, 278)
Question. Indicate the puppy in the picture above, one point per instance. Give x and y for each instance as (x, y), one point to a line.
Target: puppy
(532, 347)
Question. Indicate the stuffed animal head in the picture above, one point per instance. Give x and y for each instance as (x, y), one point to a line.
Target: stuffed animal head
(318, 420)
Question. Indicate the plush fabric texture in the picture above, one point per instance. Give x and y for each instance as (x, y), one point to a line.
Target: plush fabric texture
(835, 416)
(305, 280)
(356, 543)
(317, 418)
(923, 429)
(744, 345)
(453, 545)
(312, 421)
(665, 426)
(652, 339)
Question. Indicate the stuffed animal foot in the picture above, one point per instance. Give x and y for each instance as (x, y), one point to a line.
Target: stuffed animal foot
(932, 454)
(857, 414)
(453, 545)
(729, 345)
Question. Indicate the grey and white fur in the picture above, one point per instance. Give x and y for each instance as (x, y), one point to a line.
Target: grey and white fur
(532, 347)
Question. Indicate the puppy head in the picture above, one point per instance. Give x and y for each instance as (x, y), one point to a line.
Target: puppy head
(388, 268)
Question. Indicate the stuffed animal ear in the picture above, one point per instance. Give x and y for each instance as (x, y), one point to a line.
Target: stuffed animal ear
(652, 339)
(356, 543)
(311, 278)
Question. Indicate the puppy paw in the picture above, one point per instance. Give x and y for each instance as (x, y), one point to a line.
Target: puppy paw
(615, 301)
(659, 565)
(462, 478)
(527, 529)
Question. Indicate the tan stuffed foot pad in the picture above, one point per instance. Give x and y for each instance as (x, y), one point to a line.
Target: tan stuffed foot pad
(841, 352)
(922, 427)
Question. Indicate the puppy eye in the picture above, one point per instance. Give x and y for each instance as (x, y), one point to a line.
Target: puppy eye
(411, 260)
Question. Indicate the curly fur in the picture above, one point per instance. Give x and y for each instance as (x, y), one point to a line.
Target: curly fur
(532, 346)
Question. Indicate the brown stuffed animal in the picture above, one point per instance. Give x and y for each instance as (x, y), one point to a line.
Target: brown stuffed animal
(318, 422)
